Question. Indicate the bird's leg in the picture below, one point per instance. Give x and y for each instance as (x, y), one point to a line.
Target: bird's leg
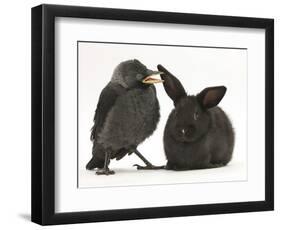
(147, 163)
(105, 170)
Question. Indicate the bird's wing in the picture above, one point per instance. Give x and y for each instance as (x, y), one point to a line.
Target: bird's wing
(107, 99)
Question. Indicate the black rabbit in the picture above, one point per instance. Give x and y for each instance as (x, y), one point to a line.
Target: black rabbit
(198, 133)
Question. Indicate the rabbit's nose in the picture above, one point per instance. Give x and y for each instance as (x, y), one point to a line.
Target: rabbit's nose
(189, 130)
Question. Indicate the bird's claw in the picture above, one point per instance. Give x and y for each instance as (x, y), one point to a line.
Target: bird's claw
(148, 167)
(105, 172)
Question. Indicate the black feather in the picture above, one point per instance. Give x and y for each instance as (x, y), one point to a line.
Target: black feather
(107, 99)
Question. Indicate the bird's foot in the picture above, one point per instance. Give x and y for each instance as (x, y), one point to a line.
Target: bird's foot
(104, 171)
(148, 167)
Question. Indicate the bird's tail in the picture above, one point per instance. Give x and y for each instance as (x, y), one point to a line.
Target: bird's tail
(93, 163)
(97, 160)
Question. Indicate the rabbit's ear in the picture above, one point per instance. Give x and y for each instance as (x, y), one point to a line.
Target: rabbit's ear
(172, 85)
(211, 96)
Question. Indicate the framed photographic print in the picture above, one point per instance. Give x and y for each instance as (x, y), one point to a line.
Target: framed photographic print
(142, 114)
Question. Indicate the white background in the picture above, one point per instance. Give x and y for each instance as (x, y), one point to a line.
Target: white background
(15, 116)
(196, 68)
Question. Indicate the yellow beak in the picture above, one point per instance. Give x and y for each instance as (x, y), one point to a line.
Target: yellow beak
(151, 78)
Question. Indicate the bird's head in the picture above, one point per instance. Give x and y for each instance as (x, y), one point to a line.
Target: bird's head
(133, 74)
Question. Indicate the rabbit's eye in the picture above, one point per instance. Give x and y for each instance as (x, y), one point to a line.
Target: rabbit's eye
(196, 115)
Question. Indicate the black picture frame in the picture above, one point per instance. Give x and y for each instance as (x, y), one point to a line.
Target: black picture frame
(43, 114)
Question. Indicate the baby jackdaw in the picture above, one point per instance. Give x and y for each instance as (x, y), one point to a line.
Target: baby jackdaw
(127, 113)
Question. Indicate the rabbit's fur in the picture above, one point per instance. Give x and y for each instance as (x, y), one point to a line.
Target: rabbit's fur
(198, 133)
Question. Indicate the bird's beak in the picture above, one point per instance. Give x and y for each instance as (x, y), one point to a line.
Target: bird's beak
(150, 79)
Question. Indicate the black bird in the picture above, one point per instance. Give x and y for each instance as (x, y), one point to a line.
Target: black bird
(127, 113)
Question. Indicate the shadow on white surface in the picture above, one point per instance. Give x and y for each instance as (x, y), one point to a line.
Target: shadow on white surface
(25, 216)
(132, 177)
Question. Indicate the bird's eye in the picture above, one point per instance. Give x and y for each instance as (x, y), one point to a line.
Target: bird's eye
(196, 115)
(139, 76)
